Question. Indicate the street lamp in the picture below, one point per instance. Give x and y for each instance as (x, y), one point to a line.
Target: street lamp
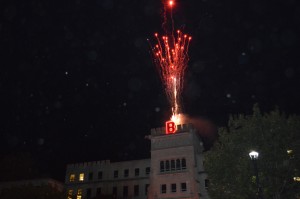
(254, 156)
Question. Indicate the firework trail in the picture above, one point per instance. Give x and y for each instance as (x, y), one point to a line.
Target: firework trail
(171, 57)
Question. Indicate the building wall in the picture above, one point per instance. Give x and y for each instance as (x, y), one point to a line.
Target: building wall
(185, 181)
(184, 177)
(129, 174)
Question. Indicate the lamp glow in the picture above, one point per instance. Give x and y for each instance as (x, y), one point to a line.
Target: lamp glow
(253, 155)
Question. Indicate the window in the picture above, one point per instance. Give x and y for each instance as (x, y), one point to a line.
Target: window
(79, 194)
(116, 173)
(178, 166)
(146, 189)
(70, 193)
(81, 177)
(173, 188)
(136, 190)
(162, 166)
(88, 193)
(183, 163)
(72, 177)
(163, 188)
(98, 191)
(115, 191)
(126, 173)
(167, 165)
(137, 172)
(125, 191)
(147, 170)
(100, 174)
(90, 176)
(206, 182)
(183, 187)
(172, 165)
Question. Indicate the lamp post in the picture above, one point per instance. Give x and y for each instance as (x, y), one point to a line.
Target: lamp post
(254, 156)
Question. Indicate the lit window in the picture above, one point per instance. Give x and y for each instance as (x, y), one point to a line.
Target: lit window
(126, 173)
(79, 194)
(70, 193)
(183, 187)
(297, 179)
(137, 172)
(163, 188)
(81, 177)
(147, 170)
(72, 177)
(173, 188)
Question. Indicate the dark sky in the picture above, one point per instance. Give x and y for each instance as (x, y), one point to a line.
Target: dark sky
(78, 83)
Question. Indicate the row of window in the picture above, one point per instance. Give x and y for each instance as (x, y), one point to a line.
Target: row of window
(172, 165)
(81, 177)
(125, 190)
(173, 188)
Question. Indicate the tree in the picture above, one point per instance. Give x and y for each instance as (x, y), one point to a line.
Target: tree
(29, 191)
(229, 168)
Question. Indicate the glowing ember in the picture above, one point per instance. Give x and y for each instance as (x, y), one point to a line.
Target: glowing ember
(171, 58)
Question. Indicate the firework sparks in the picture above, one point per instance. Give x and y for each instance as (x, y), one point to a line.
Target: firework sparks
(171, 58)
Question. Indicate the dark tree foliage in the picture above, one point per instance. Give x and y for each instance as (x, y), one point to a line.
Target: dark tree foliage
(17, 166)
(31, 192)
(230, 169)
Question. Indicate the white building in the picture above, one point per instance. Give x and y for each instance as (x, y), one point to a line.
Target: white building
(175, 170)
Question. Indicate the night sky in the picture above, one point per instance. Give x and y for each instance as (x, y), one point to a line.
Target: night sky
(78, 82)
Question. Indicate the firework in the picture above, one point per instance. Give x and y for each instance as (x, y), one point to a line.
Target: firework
(171, 58)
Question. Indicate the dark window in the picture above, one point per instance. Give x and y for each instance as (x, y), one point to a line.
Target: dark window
(147, 170)
(173, 188)
(146, 189)
(115, 191)
(98, 191)
(88, 193)
(136, 190)
(126, 173)
(206, 183)
(172, 165)
(125, 191)
(178, 166)
(137, 172)
(183, 163)
(91, 176)
(100, 175)
(167, 165)
(116, 173)
(162, 166)
(163, 188)
(183, 187)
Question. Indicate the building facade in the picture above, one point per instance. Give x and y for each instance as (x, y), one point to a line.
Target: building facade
(175, 170)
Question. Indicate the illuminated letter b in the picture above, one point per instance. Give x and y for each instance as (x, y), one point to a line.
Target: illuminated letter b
(170, 127)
